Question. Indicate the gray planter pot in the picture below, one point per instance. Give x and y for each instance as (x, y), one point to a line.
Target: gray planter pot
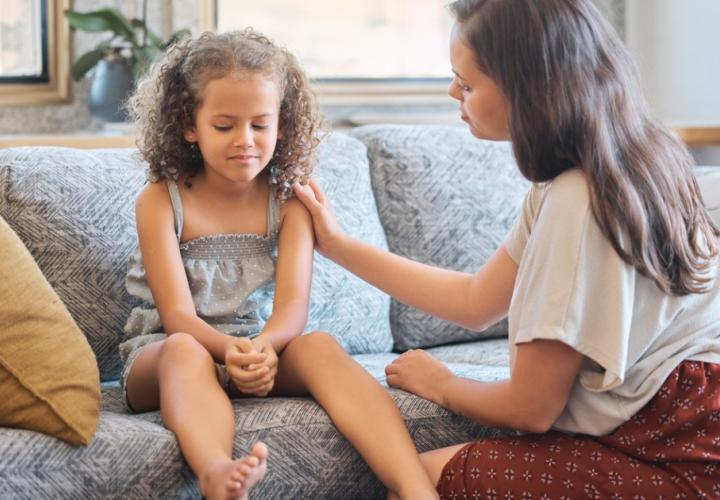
(112, 84)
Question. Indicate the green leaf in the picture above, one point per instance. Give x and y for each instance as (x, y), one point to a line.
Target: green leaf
(85, 63)
(102, 20)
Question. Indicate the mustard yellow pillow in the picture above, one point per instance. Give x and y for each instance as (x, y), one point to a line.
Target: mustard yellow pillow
(49, 380)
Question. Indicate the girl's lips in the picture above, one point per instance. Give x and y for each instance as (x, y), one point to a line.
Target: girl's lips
(243, 158)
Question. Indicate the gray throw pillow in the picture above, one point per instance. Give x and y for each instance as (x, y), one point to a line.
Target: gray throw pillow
(445, 199)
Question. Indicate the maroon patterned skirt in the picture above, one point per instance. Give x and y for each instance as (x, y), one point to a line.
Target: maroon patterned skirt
(669, 449)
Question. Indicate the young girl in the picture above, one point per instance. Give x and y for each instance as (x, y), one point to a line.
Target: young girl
(227, 124)
(609, 276)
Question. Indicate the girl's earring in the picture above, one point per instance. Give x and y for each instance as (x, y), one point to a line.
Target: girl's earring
(194, 150)
(273, 174)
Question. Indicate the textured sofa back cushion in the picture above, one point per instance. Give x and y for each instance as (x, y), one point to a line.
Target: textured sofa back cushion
(340, 303)
(709, 180)
(446, 199)
(75, 211)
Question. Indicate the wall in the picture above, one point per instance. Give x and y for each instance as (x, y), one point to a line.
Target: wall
(614, 10)
(677, 48)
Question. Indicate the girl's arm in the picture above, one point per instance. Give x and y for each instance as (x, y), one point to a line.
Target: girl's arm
(293, 275)
(531, 400)
(166, 274)
(473, 301)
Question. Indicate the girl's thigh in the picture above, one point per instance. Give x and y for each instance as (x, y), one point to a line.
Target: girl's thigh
(141, 379)
(315, 363)
(142, 390)
(306, 359)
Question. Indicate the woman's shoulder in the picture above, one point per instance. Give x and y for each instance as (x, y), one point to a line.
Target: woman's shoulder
(568, 193)
(571, 184)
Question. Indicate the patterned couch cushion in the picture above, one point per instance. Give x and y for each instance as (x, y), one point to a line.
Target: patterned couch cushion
(74, 210)
(446, 199)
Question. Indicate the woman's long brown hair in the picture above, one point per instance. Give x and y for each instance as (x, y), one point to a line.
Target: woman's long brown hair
(575, 101)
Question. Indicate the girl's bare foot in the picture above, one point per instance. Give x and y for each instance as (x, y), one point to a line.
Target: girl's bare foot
(253, 467)
(226, 479)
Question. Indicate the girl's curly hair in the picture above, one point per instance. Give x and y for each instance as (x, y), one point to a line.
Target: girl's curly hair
(164, 105)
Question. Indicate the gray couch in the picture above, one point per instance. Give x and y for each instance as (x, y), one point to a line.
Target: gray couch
(431, 193)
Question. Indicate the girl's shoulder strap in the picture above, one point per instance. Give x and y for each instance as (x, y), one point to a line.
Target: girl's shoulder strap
(177, 206)
(273, 223)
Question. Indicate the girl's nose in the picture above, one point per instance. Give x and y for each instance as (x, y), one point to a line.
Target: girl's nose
(244, 138)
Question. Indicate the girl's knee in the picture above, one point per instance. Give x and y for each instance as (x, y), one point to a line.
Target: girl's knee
(310, 345)
(183, 348)
(315, 341)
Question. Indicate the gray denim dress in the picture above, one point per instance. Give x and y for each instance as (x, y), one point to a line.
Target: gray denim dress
(231, 278)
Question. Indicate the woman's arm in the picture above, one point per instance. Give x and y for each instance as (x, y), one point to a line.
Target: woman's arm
(293, 276)
(531, 400)
(166, 274)
(473, 301)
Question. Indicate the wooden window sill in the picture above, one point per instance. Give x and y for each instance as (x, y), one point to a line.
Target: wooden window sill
(83, 141)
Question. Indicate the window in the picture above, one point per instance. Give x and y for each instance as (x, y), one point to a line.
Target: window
(23, 42)
(34, 52)
(357, 51)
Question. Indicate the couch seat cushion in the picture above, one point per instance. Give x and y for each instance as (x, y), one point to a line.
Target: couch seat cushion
(135, 456)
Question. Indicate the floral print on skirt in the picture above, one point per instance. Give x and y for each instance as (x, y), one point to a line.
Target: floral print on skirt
(669, 449)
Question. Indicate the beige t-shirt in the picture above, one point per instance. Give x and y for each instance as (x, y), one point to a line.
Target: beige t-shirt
(572, 286)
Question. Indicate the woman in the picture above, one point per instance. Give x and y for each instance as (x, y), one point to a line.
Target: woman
(609, 276)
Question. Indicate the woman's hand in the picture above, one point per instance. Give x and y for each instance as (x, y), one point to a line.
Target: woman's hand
(248, 366)
(418, 372)
(327, 230)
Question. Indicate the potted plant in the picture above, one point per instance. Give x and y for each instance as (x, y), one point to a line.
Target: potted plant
(117, 61)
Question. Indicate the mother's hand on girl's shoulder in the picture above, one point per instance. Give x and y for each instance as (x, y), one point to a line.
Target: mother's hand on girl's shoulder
(419, 372)
(325, 225)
